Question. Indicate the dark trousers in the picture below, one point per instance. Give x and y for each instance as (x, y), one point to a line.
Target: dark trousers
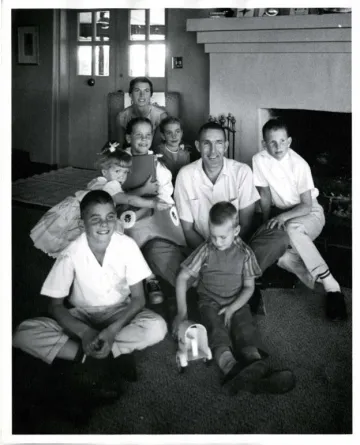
(164, 258)
(241, 334)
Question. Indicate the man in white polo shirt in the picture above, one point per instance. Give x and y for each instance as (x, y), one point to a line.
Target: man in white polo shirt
(198, 187)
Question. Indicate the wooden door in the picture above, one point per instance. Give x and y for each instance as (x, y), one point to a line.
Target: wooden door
(103, 58)
(92, 77)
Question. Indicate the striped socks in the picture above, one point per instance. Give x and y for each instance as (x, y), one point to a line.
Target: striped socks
(329, 282)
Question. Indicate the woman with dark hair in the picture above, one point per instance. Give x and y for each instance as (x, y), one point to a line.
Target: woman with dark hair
(140, 90)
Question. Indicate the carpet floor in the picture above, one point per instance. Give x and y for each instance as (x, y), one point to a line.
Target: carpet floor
(162, 401)
(49, 188)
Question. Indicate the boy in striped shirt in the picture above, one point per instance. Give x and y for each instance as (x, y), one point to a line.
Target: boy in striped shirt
(226, 268)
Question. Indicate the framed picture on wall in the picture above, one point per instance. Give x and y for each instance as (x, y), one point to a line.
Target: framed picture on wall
(28, 45)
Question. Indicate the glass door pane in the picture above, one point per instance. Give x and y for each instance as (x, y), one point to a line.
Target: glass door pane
(137, 60)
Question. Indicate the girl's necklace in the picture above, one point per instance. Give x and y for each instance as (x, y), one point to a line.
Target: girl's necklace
(171, 151)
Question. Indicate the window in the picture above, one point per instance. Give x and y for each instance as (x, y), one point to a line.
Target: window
(93, 43)
(147, 45)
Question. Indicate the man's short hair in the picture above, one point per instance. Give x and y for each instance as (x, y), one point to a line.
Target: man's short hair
(275, 123)
(94, 197)
(211, 126)
(141, 79)
(222, 212)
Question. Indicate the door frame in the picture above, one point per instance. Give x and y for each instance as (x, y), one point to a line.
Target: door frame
(60, 90)
(60, 142)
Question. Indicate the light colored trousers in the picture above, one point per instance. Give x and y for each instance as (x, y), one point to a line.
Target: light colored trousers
(302, 231)
(43, 337)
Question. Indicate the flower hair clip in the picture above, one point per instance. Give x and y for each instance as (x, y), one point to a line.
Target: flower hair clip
(112, 146)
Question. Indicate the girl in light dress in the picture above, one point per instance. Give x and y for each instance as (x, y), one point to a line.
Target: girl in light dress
(60, 225)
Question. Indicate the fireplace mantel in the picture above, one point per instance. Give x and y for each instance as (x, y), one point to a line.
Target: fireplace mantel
(312, 33)
(287, 62)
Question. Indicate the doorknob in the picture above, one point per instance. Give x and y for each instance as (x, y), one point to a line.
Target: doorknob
(91, 82)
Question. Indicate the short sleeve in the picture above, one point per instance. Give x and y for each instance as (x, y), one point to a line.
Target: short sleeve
(182, 199)
(60, 278)
(305, 179)
(259, 178)
(164, 178)
(113, 187)
(195, 261)
(97, 183)
(247, 193)
(137, 268)
(251, 267)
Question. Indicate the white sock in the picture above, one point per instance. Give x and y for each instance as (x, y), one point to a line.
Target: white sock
(329, 282)
(226, 361)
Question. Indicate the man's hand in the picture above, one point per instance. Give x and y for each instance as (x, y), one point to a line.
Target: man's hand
(276, 222)
(176, 323)
(150, 187)
(161, 205)
(228, 312)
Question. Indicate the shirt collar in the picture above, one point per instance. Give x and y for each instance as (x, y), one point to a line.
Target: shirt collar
(224, 171)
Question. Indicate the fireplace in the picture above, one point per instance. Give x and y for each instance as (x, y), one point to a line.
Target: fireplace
(322, 138)
(285, 62)
(295, 66)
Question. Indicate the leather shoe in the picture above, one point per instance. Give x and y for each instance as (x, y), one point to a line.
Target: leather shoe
(242, 378)
(124, 366)
(276, 382)
(335, 306)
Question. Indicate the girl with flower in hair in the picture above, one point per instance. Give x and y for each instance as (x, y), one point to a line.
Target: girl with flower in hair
(60, 225)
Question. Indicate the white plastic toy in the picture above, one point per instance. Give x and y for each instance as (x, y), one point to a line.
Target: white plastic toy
(192, 344)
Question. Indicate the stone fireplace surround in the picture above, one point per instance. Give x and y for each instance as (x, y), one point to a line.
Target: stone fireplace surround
(285, 62)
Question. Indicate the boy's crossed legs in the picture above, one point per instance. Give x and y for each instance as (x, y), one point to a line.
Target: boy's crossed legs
(305, 261)
(45, 339)
(69, 374)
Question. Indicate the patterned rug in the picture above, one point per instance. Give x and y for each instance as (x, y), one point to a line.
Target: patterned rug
(48, 189)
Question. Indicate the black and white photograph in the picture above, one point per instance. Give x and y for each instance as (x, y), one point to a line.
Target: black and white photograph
(179, 254)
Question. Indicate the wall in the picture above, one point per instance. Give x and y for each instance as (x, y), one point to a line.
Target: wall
(244, 83)
(32, 106)
(192, 81)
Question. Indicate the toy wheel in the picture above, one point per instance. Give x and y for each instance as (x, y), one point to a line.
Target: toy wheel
(181, 369)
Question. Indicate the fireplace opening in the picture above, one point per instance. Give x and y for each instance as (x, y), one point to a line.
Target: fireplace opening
(322, 138)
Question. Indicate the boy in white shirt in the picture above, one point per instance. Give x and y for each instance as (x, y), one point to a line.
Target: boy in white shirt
(102, 273)
(288, 200)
